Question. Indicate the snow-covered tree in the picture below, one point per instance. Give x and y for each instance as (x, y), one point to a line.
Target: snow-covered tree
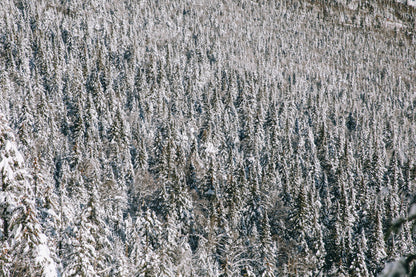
(23, 242)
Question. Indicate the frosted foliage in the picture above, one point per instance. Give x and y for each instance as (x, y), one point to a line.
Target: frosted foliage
(207, 138)
(412, 212)
(21, 233)
(394, 269)
(43, 257)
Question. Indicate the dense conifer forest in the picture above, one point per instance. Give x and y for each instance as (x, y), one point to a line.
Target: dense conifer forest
(207, 138)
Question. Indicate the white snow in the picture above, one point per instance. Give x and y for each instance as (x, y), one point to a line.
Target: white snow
(211, 149)
(394, 24)
(11, 148)
(5, 168)
(353, 5)
(408, 2)
(411, 3)
(412, 211)
(394, 269)
(44, 258)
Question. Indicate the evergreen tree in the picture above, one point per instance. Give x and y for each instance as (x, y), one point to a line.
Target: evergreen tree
(268, 249)
(23, 243)
(89, 255)
(358, 265)
(377, 247)
(162, 140)
(144, 253)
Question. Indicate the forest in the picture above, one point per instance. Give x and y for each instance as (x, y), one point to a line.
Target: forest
(207, 138)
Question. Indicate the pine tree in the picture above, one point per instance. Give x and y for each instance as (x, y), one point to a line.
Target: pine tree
(358, 266)
(23, 242)
(268, 253)
(231, 253)
(204, 263)
(144, 254)
(214, 126)
(175, 255)
(377, 247)
(25, 123)
(89, 254)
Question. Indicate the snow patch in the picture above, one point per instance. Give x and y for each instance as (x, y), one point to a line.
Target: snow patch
(353, 5)
(411, 3)
(394, 24)
(412, 211)
(44, 258)
(394, 269)
(211, 149)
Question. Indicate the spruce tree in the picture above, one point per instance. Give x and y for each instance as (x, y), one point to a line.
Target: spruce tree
(23, 242)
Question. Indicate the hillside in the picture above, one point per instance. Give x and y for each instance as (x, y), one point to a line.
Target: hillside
(207, 138)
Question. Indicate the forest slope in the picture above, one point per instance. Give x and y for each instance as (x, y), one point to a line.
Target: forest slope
(207, 138)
